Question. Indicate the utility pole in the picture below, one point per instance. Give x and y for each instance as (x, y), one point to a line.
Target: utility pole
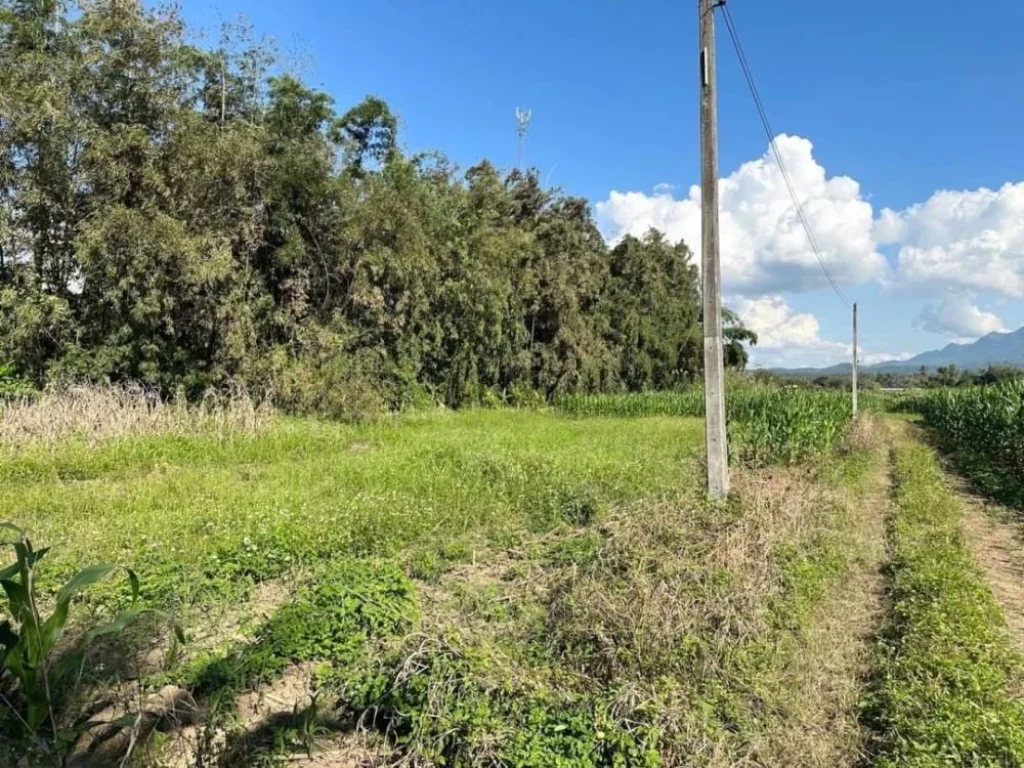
(854, 376)
(714, 374)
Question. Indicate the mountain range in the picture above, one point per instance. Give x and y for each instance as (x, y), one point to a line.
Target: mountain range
(993, 349)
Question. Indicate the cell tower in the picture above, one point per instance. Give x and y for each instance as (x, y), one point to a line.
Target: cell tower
(523, 117)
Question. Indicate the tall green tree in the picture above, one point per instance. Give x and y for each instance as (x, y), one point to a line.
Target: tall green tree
(188, 216)
(654, 308)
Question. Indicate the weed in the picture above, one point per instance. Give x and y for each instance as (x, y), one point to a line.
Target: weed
(202, 518)
(457, 704)
(580, 550)
(946, 668)
(347, 605)
(624, 621)
(426, 564)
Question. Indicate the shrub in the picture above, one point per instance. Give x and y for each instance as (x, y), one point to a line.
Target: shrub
(14, 387)
(326, 378)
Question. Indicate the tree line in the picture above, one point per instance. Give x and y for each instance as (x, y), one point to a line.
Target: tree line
(921, 378)
(186, 216)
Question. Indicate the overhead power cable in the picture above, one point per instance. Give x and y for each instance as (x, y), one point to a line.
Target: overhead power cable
(749, 76)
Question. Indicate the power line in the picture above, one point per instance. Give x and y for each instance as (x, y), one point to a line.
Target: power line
(749, 76)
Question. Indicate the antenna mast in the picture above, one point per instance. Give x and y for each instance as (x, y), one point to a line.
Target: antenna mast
(523, 117)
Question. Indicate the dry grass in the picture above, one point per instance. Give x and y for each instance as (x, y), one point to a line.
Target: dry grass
(98, 413)
(683, 570)
(773, 600)
(830, 662)
(739, 631)
(866, 434)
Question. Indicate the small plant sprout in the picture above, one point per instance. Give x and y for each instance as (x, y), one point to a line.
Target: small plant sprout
(32, 671)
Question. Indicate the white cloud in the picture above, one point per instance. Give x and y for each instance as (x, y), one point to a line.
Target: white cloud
(969, 240)
(957, 317)
(953, 245)
(872, 358)
(764, 247)
(778, 326)
(788, 339)
(963, 239)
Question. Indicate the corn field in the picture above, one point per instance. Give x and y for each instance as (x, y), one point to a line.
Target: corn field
(766, 425)
(687, 402)
(985, 426)
(887, 402)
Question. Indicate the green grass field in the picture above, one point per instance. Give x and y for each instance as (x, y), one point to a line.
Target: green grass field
(523, 588)
(518, 546)
(197, 513)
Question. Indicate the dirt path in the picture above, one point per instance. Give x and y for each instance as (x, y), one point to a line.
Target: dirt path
(998, 550)
(997, 538)
(826, 676)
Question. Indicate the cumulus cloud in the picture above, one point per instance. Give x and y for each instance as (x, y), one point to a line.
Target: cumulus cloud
(954, 245)
(964, 239)
(764, 247)
(958, 318)
(778, 326)
(789, 339)
(786, 338)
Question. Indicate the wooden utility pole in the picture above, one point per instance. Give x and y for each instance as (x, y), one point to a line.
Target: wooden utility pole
(714, 374)
(854, 376)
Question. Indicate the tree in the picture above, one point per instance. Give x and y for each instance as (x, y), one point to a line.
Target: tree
(735, 334)
(948, 376)
(653, 303)
(184, 216)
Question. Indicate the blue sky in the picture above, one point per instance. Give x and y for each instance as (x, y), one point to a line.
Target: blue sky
(914, 107)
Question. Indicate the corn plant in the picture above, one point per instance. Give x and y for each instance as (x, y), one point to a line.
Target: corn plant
(766, 424)
(886, 402)
(772, 426)
(31, 671)
(688, 402)
(985, 425)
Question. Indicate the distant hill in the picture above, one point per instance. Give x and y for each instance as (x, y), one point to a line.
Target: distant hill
(994, 349)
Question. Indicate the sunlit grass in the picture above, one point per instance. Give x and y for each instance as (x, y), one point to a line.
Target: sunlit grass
(197, 514)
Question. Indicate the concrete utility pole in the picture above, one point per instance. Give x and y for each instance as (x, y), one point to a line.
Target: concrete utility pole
(714, 374)
(854, 376)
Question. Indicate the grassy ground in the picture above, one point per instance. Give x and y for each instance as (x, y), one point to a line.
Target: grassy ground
(947, 681)
(516, 588)
(201, 517)
(474, 587)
